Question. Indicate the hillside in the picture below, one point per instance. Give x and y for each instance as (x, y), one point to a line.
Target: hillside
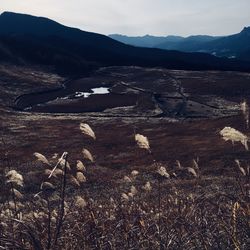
(28, 39)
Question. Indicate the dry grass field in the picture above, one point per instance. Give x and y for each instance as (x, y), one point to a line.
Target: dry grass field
(180, 187)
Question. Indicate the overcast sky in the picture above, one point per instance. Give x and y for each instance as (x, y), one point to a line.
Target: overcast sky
(140, 17)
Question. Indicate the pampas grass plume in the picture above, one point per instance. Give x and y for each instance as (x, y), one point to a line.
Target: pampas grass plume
(133, 190)
(87, 130)
(87, 155)
(74, 181)
(17, 194)
(142, 141)
(245, 110)
(147, 187)
(192, 171)
(127, 179)
(80, 202)
(80, 166)
(242, 170)
(125, 197)
(163, 172)
(134, 173)
(80, 177)
(231, 134)
(41, 158)
(14, 177)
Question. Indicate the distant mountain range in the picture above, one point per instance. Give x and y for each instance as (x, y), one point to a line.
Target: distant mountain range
(26, 39)
(233, 46)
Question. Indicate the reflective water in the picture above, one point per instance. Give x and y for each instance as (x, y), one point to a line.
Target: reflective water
(100, 90)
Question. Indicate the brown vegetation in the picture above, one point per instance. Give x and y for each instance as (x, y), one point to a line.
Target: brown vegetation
(125, 182)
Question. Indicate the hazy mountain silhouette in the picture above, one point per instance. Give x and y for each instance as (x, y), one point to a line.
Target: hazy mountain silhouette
(29, 39)
(145, 41)
(164, 42)
(237, 45)
(188, 44)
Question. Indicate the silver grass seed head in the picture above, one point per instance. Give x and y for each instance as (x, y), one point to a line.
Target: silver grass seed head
(58, 172)
(125, 197)
(192, 171)
(87, 155)
(14, 177)
(231, 134)
(80, 166)
(80, 202)
(74, 181)
(127, 179)
(142, 141)
(242, 170)
(147, 187)
(133, 190)
(134, 173)
(80, 177)
(195, 164)
(87, 130)
(64, 163)
(17, 194)
(41, 158)
(244, 106)
(178, 163)
(47, 187)
(163, 172)
(245, 111)
(61, 162)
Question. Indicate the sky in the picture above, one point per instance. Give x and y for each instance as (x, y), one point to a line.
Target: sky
(141, 17)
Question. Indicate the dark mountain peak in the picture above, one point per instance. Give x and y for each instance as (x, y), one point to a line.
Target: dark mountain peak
(246, 30)
(23, 24)
(7, 15)
(15, 23)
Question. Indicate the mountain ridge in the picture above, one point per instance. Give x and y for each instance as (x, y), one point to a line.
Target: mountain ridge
(228, 46)
(30, 39)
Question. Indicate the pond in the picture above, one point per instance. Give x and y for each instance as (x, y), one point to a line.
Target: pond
(94, 91)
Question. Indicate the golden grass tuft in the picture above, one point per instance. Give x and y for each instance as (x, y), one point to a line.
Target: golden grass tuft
(147, 187)
(134, 173)
(242, 170)
(231, 134)
(192, 171)
(14, 177)
(41, 158)
(162, 172)
(127, 179)
(17, 194)
(80, 177)
(87, 130)
(87, 155)
(74, 181)
(80, 202)
(245, 111)
(142, 141)
(80, 166)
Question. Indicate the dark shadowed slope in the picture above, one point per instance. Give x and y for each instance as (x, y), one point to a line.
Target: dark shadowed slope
(29, 39)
